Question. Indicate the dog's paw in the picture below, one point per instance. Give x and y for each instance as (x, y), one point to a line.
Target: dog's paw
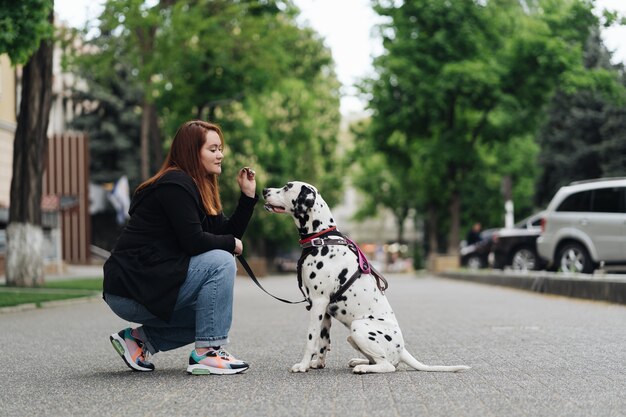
(358, 361)
(299, 367)
(318, 363)
(360, 369)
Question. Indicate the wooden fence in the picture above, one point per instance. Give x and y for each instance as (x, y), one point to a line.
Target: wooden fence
(66, 175)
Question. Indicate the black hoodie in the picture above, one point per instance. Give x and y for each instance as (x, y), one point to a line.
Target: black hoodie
(168, 225)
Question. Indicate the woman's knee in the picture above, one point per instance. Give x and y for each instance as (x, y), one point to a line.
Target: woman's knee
(217, 259)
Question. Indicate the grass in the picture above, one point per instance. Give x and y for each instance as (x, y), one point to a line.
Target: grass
(50, 291)
(90, 284)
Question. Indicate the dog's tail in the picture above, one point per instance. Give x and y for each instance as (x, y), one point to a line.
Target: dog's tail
(407, 358)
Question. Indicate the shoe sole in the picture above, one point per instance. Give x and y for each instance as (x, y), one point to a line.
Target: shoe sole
(209, 370)
(120, 347)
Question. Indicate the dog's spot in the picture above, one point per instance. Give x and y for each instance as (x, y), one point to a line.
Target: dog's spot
(343, 312)
(388, 338)
(315, 251)
(316, 224)
(371, 317)
(333, 310)
(371, 338)
(342, 276)
(320, 317)
(310, 336)
(379, 332)
(320, 265)
(370, 333)
(315, 287)
(324, 333)
(325, 251)
(398, 346)
(313, 275)
(323, 349)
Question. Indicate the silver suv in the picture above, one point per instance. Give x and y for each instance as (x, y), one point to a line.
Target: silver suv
(585, 225)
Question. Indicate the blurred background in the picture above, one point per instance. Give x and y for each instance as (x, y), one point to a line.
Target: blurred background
(415, 119)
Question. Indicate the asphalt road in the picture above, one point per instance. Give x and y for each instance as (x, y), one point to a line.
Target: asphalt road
(531, 355)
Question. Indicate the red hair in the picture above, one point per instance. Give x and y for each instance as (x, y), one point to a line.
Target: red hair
(184, 155)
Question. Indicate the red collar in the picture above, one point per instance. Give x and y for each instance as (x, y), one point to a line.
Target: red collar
(323, 232)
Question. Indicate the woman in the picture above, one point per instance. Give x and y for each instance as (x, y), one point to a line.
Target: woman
(173, 269)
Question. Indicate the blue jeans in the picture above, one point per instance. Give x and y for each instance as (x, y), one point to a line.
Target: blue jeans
(203, 310)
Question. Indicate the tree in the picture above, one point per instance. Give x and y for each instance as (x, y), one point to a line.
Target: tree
(110, 109)
(25, 34)
(247, 66)
(583, 137)
(460, 76)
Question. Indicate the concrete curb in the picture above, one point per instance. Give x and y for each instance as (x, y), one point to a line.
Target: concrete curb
(47, 304)
(600, 287)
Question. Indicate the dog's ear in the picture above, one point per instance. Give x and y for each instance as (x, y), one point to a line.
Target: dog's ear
(305, 200)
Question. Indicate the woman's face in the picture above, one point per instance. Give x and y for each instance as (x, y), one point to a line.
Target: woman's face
(211, 153)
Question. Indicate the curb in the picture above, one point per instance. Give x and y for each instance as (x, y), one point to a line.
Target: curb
(48, 304)
(598, 287)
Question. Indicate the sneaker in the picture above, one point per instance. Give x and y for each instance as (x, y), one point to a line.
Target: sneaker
(215, 361)
(131, 350)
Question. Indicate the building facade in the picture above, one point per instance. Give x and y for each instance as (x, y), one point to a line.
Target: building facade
(8, 123)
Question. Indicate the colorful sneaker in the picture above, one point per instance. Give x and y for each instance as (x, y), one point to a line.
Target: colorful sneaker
(215, 361)
(131, 350)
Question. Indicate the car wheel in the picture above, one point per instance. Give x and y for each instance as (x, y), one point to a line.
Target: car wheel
(524, 259)
(573, 257)
(474, 262)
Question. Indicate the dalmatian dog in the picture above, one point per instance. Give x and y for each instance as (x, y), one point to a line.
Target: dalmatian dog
(362, 308)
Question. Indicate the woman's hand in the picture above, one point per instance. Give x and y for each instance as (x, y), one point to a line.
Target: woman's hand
(238, 247)
(246, 181)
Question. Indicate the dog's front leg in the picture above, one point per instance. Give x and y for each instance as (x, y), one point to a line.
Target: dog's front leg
(319, 361)
(318, 311)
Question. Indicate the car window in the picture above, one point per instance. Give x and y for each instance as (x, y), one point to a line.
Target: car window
(580, 201)
(608, 200)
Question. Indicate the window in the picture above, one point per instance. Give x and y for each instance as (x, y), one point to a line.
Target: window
(608, 200)
(576, 202)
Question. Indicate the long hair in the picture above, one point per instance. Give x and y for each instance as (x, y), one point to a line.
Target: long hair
(184, 155)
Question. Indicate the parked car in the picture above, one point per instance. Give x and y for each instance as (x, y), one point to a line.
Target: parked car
(585, 225)
(516, 247)
(476, 256)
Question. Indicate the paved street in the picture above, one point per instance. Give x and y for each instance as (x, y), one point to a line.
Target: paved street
(531, 355)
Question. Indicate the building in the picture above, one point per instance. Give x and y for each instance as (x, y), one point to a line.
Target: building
(8, 123)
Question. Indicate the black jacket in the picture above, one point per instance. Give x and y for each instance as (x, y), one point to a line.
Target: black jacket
(168, 225)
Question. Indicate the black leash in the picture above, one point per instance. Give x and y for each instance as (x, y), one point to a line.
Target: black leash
(245, 266)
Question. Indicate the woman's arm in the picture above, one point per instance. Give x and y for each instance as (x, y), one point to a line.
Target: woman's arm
(181, 209)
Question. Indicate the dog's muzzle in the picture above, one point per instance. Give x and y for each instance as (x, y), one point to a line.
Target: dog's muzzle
(274, 209)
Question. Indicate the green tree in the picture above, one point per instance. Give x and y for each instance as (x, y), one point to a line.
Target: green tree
(583, 136)
(457, 77)
(25, 35)
(245, 65)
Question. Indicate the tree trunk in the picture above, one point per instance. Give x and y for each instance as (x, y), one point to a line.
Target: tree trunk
(433, 229)
(24, 232)
(145, 140)
(455, 223)
(156, 146)
(400, 215)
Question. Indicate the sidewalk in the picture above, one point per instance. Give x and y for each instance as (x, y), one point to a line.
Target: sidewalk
(531, 355)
